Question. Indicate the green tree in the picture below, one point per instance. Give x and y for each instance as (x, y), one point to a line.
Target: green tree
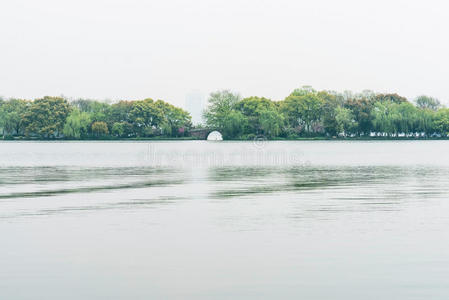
(304, 90)
(77, 124)
(120, 129)
(290, 108)
(145, 117)
(120, 112)
(221, 104)
(382, 119)
(304, 110)
(362, 111)
(46, 117)
(11, 116)
(441, 121)
(252, 109)
(426, 102)
(395, 98)
(176, 120)
(345, 121)
(97, 110)
(426, 121)
(329, 112)
(406, 115)
(393, 118)
(99, 129)
(2, 117)
(271, 122)
(233, 125)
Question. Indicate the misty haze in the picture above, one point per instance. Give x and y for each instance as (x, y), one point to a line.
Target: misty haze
(213, 149)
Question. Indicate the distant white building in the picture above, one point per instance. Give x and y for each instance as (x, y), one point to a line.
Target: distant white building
(195, 104)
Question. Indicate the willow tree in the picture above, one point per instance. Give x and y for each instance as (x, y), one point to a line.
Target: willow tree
(441, 121)
(77, 124)
(271, 122)
(221, 105)
(12, 114)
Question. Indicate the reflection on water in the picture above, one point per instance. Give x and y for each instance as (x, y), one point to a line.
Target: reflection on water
(64, 181)
(344, 223)
(372, 187)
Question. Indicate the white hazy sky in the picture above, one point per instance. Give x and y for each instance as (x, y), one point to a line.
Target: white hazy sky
(129, 49)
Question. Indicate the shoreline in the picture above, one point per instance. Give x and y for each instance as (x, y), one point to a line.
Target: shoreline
(228, 140)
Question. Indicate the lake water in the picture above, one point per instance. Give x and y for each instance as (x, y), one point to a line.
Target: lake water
(224, 220)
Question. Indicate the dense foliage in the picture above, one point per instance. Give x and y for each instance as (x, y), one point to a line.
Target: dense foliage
(304, 113)
(55, 117)
(310, 113)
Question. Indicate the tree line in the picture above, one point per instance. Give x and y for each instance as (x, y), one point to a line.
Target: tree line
(56, 117)
(310, 113)
(306, 112)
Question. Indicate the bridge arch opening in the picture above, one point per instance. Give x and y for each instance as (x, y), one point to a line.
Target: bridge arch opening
(214, 136)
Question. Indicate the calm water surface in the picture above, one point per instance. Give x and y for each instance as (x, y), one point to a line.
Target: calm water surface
(224, 220)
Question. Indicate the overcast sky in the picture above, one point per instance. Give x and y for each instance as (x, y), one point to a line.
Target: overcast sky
(129, 49)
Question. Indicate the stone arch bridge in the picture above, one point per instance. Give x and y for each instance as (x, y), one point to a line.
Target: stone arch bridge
(201, 133)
